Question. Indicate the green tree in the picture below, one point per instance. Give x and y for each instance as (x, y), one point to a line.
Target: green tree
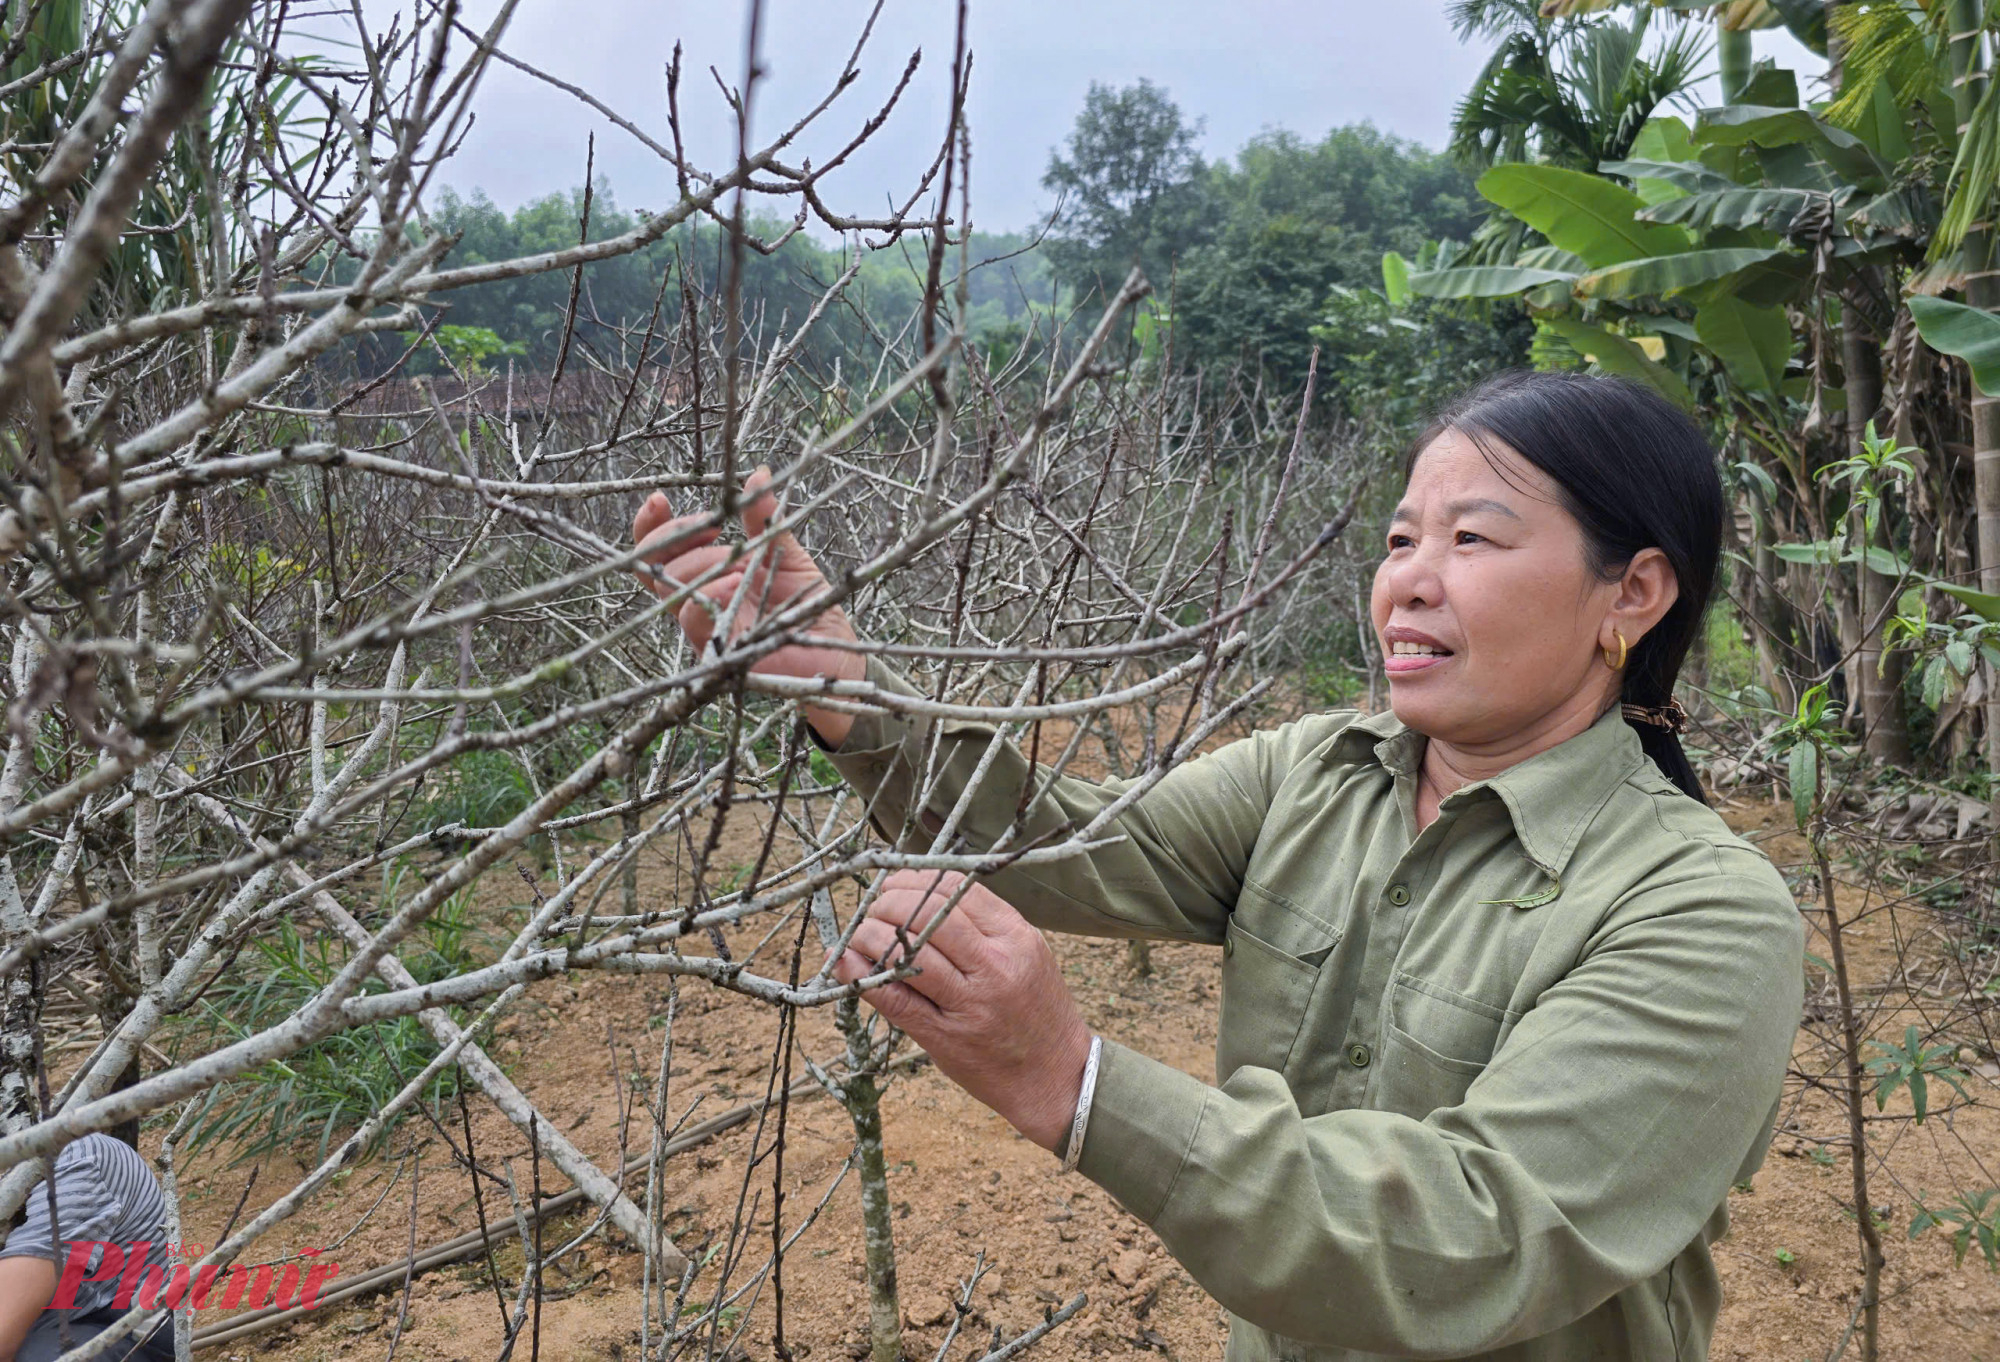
(1389, 360)
(618, 294)
(1132, 185)
(183, 234)
(1299, 220)
(529, 311)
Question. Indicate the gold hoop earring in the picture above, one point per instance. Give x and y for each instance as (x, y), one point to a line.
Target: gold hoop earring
(1619, 665)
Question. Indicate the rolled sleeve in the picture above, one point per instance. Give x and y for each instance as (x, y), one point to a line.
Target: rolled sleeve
(1144, 1118)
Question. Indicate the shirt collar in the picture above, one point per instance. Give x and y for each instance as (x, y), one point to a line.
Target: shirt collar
(1551, 797)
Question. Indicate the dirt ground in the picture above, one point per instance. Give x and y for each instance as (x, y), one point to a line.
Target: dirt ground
(965, 1187)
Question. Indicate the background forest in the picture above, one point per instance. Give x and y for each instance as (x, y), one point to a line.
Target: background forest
(1252, 254)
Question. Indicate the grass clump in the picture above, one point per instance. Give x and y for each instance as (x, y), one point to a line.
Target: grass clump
(327, 1089)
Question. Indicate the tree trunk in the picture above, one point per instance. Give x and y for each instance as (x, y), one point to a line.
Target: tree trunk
(863, 1100)
(1846, 646)
(1879, 676)
(1854, 1099)
(1766, 615)
(1880, 673)
(115, 948)
(21, 994)
(20, 1017)
(861, 1094)
(628, 879)
(1981, 293)
(1982, 290)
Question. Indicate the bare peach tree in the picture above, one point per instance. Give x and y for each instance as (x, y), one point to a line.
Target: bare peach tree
(260, 614)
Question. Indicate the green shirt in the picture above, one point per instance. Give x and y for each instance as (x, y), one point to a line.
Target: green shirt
(1483, 1088)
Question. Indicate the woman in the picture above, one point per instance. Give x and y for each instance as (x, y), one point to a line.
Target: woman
(1505, 1007)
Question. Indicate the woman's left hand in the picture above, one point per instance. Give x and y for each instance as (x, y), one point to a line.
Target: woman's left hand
(988, 1004)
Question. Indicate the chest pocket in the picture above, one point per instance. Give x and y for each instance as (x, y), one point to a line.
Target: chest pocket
(1434, 1043)
(1271, 958)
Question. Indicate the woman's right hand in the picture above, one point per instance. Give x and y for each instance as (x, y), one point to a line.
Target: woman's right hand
(792, 572)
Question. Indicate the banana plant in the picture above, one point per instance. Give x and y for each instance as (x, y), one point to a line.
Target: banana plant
(1713, 261)
(1932, 54)
(1765, 262)
(1691, 246)
(1564, 89)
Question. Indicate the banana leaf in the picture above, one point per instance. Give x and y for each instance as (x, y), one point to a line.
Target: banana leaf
(1395, 278)
(1663, 138)
(1772, 86)
(1805, 18)
(1771, 210)
(1778, 279)
(1738, 165)
(1674, 326)
(1753, 343)
(1666, 275)
(1876, 250)
(1970, 333)
(1619, 355)
(1771, 128)
(1910, 213)
(1799, 165)
(1484, 281)
(1580, 212)
(1690, 176)
(1547, 257)
(1982, 603)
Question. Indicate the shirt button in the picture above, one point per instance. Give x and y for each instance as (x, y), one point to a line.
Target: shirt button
(1358, 1056)
(1399, 894)
(1228, 946)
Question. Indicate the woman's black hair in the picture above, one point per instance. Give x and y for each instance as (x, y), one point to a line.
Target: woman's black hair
(1637, 473)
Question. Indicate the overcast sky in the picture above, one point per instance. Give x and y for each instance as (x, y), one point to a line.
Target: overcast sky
(1241, 66)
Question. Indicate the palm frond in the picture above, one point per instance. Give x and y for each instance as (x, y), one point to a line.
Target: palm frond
(1623, 84)
(1973, 188)
(1680, 59)
(1671, 70)
(1600, 62)
(1572, 88)
(1500, 113)
(1884, 42)
(1493, 18)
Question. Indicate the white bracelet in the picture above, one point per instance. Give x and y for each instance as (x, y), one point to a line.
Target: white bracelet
(1082, 1117)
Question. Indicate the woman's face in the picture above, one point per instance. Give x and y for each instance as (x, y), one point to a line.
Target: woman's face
(1487, 611)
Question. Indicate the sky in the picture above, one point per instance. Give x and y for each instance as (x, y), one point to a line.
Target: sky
(1239, 66)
